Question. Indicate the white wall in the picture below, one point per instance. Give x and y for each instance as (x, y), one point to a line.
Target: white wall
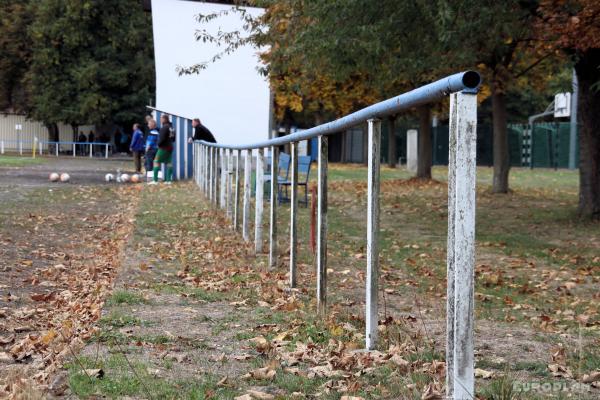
(229, 97)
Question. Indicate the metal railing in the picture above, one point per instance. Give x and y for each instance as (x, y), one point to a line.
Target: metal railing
(219, 179)
(51, 147)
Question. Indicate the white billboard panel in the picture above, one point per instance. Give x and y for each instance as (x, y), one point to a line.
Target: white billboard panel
(230, 97)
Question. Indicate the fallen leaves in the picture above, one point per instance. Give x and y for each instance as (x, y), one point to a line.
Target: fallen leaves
(431, 393)
(483, 374)
(560, 371)
(261, 344)
(591, 377)
(94, 373)
(265, 373)
(256, 394)
(49, 326)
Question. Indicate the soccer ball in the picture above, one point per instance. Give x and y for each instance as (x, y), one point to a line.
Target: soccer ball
(54, 177)
(135, 178)
(109, 177)
(64, 177)
(125, 178)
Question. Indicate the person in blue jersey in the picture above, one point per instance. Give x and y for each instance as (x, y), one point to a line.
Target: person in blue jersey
(151, 145)
(137, 147)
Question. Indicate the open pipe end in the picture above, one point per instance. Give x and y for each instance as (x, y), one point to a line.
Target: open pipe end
(471, 79)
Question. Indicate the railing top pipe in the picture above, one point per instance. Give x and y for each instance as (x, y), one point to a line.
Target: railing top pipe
(467, 81)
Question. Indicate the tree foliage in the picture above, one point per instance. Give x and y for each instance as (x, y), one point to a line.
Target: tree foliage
(15, 17)
(573, 27)
(84, 62)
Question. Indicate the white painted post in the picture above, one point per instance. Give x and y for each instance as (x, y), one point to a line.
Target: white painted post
(412, 151)
(106, 150)
(247, 189)
(199, 166)
(228, 180)
(322, 227)
(197, 156)
(208, 171)
(56, 149)
(236, 197)
(203, 169)
(206, 168)
(211, 163)
(293, 215)
(91, 150)
(372, 289)
(73, 149)
(273, 214)
(258, 207)
(40, 145)
(223, 193)
(461, 246)
(2, 149)
(215, 176)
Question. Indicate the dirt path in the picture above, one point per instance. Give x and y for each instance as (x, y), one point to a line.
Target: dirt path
(60, 247)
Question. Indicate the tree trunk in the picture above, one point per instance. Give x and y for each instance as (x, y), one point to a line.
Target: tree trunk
(501, 155)
(392, 155)
(424, 145)
(74, 129)
(53, 134)
(588, 73)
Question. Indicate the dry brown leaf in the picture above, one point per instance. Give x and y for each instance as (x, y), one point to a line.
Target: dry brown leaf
(399, 361)
(49, 336)
(431, 393)
(242, 357)
(346, 397)
(265, 373)
(94, 373)
(6, 358)
(591, 377)
(262, 345)
(222, 382)
(560, 371)
(482, 373)
(260, 395)
(7, 339)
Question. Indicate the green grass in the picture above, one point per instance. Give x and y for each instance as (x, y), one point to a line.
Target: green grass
(500, 389)
(119, 297)
(295, 383)
(118, 319)
(20, 161)
(188, 292)
(113, 337)
(120, 381)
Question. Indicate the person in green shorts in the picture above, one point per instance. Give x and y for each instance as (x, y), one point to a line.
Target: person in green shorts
(165, 150)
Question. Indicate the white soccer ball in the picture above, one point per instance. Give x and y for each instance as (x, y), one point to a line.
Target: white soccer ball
(54, 177)
(64, 177)
(125, 178)
(109, 177)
